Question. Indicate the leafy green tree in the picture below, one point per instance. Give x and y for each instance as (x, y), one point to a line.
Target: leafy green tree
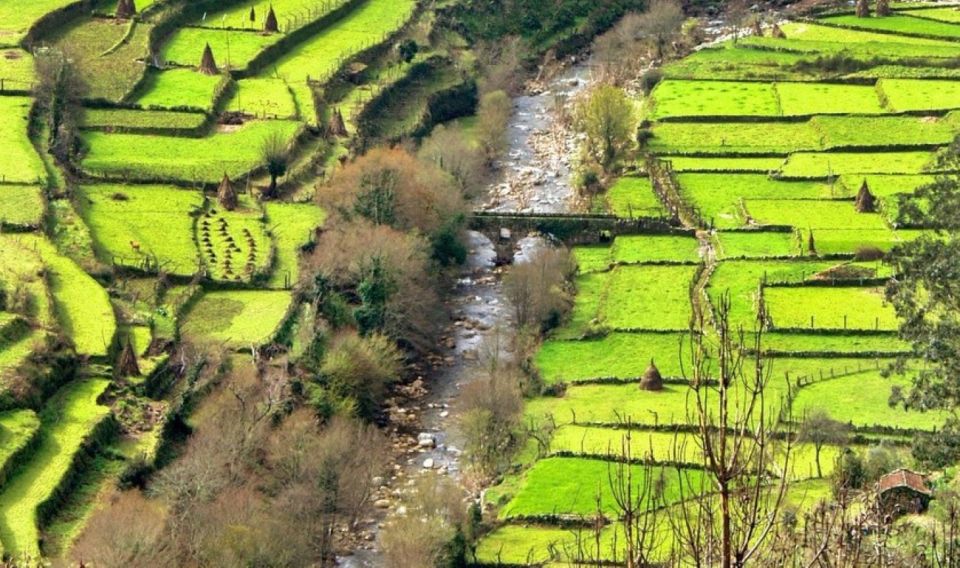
(273, 152)
(925, 291)
(926, 297)
(608, 118)
(820, 429)
(374, 290)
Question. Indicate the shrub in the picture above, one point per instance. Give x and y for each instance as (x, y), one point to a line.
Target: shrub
(358, 369)
(650, 79)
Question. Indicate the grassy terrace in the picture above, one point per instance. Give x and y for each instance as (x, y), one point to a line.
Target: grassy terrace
(65, 426)
(770, 156)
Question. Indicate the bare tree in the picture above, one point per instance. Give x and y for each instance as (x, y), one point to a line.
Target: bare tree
(659, 25)
(820, 429)
(638, 503)
(735, 500)
(536, 288)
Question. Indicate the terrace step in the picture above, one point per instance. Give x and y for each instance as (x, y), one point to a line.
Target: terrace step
(70, 424)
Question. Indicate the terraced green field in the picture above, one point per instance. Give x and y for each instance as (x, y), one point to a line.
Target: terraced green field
(65, 426)
(768, 154)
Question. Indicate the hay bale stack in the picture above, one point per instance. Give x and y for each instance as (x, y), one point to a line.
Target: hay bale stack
(776, 32)
(883, 8)
(863, 8)
(126, 9)
(128, 366)
(866, 202)
(208, 65)
(337, 126)
(227, 194)
(270, 24)
(651, 380)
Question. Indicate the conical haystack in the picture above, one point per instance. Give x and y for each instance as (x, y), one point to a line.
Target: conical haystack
(270, 24)
(757, 28)
(227, 194)
(863, 8)
(651, 380)
(337, 125)
(208, 65)
(126, 9)
(883, 8)
(253, 13)
(866, 202)
(811, 244)
(128, 365)
(776, 32)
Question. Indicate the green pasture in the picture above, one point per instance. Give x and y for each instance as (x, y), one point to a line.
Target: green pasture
(822, 307)
(662, 446)
(804, 37)
(238, 319)
(741, 280)
(824, 165)
(17, 17)
(787, 343)
(231, 150)
(263, 98)
(178, 89)
(946, 14)
(898, 24)
(134, 224)
(812, 214)
(320, 57)
(108, 59)
(648, 298)
(861, 399)
(232, 49)
(729, 62)
(897, 131)
(234, 244)
(19, 162)
(65, 425)
(128, 119)
(17, 430)
(734, 138)
(905, 72)
(846, 241)
(720, 199)
(570, 486)
(17, 71)
(591, 293)
(595, 258)
(732, 165)
(290, 14)
(919, 95)
(679, 98)
(623, 356)
(21, 205)
(22, 265)
(292, 226)
(642, 249)
(631, 197)
(802, 99)
(81, 305)
(754, 244)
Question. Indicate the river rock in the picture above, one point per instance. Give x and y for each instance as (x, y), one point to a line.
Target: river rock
(382, 503)
(427, 440)
(428, 463)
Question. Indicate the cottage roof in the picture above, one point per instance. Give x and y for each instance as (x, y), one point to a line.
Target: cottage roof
(903, 478)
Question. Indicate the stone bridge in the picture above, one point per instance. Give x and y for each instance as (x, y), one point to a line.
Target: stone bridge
(505, 229)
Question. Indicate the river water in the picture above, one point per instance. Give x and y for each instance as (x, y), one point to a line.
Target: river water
(534, 176)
